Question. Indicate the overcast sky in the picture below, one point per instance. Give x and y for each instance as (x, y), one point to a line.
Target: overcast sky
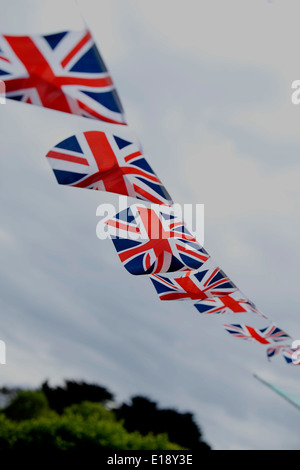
(206, 85)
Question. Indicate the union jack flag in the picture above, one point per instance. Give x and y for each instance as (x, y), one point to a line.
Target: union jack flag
(62, 71)
(265, 336)
(151, 240)
(208, 281)
(292, 355)
(272, 351)
(108, 162)
(231, 303)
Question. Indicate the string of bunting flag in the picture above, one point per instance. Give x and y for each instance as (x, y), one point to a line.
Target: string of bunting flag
(65, 72)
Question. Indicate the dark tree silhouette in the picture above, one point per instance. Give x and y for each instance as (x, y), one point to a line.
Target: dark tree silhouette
(141, 414)
(75, 392)
(144, 416)
(27, 404)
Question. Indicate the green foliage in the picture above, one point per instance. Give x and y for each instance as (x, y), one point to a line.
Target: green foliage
(27, 404)
(89, 410)
(75, 417)
(86, 426)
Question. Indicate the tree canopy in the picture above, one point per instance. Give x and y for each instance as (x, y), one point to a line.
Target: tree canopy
(76, 416)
